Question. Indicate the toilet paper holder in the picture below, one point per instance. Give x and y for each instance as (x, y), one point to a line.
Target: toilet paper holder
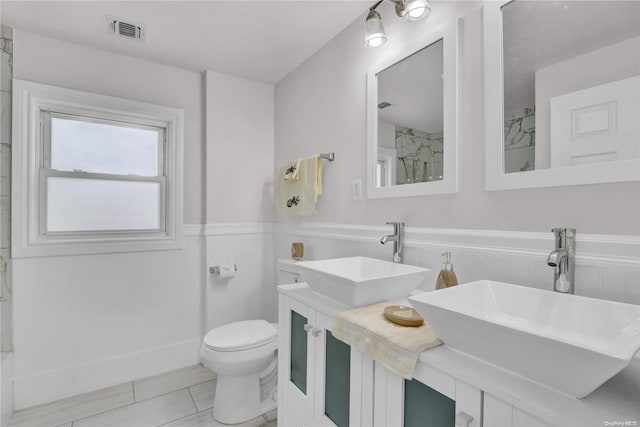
(216, 269)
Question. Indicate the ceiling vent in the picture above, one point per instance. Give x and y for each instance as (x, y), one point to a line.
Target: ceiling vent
(126, 28)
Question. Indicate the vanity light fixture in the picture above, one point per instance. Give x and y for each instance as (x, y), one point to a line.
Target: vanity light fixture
(411, 10)
(374, 32)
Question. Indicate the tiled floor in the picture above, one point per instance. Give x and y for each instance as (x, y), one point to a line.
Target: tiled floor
(180, 398)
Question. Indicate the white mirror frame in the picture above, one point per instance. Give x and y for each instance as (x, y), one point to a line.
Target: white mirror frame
(495, 177)
(449, 184)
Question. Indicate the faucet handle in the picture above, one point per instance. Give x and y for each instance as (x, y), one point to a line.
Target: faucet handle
(563, 233)
(558, 236)
(570, 232)
(398, 227)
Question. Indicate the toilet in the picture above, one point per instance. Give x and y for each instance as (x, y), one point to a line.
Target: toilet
(243, 354)
(244, 357)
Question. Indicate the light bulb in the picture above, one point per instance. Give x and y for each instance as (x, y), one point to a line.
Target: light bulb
(416, 10)
(376, 40)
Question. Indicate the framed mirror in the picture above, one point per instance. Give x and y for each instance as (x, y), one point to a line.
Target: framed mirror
(562, 93)
(412, 103)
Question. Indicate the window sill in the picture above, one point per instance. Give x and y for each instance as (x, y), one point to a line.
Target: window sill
(95, 244)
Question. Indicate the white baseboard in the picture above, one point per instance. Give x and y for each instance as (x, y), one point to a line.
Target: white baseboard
(61, 383)
(6, 384)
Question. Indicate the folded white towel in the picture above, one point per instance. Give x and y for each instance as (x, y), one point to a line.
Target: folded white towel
(396, 347)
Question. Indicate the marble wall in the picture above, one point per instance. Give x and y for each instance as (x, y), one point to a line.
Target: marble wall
(6, 328)
(520, 140)
(419, 155)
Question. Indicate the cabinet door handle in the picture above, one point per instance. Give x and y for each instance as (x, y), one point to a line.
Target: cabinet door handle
(463, 419)
(307, 327)
(315, 332)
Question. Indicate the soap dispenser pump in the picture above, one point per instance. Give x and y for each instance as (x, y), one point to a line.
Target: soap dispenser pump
(447, 276)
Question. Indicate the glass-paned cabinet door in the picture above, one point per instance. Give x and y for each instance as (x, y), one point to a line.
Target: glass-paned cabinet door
(298, 366)
(296, 357)
(426, 407)
(337, 380)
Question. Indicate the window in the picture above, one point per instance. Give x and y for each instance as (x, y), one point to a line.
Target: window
(99, 174)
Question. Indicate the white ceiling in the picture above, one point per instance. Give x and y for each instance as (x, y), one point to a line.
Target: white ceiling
(542, 33)
(258, 40)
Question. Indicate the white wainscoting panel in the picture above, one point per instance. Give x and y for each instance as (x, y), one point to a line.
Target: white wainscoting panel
(251, 294)
(606, 266)
(87, 322)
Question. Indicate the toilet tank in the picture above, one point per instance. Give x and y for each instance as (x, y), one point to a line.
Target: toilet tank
(288, 272)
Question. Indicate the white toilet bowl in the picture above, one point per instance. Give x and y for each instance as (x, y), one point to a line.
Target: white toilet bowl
(244, 356)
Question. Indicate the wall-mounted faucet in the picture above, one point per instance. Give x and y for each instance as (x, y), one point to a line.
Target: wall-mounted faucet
(398, 240)
(563, 260)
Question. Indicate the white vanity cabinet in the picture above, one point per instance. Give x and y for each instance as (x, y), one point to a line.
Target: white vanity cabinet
(321, 380)
(325, 382)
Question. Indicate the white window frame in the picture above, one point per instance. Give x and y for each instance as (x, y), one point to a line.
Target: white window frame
(31, 102)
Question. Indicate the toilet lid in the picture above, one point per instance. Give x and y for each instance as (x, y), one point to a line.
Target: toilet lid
(240, 335)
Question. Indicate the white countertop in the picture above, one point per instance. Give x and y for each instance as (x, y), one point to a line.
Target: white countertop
(618, 400)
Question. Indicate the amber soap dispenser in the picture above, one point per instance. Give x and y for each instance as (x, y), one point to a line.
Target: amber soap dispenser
(447, 276)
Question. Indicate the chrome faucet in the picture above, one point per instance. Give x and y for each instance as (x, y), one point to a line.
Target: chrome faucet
(398, 240)
(563, 260)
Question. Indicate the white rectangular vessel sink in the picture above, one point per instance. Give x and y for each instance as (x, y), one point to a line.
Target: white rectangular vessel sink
(570, 343)
(358, 281)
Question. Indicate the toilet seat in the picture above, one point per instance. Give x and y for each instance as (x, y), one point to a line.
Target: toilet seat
(242, 335)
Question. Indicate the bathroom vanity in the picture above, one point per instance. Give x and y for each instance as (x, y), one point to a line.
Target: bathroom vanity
(324, 382)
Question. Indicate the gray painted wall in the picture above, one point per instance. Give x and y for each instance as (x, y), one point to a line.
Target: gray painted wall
(321, 107)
